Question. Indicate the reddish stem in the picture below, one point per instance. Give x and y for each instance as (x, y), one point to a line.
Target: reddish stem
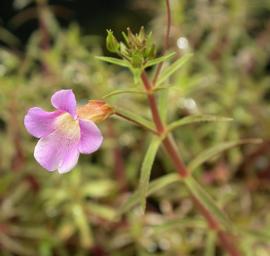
(45, 36)
(213, 224)
(170, 147)
(224, 238)
(152, 103)
(168, 142)
(226, 241)
(166, 39)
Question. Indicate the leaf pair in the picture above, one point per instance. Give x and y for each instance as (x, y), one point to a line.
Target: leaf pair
(125, 63)
(165, 74)
(145, 188)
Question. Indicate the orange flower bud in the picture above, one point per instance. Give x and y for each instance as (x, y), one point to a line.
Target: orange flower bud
(95, 110)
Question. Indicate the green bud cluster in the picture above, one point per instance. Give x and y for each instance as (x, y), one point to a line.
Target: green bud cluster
(137, 48)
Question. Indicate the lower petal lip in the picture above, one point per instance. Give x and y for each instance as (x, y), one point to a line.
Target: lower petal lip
(56, 151)
(59, 150)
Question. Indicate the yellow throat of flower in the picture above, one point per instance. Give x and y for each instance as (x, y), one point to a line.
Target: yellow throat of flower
(68, 126)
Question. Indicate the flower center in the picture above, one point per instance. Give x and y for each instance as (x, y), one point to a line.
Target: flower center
(68, 126)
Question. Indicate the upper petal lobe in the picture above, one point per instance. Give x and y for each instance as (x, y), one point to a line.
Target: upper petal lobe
(40, 123)
(91, 137)
(65, 100)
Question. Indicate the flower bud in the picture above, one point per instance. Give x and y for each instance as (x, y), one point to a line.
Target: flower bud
(137, 60)
(111, 42)
(95, 110)
(123, 50)
(137, 48)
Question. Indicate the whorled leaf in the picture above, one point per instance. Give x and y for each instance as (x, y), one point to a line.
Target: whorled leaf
(158, 60)
(167, 72)
(146, 170)
(210, 247)
(162, 105)
(153, 187)
(179, 222)
(15, 246)
(132, 91)
(85, 232)
(197, 119)
(8, 37)
(115, 61)
(215, 150)
(102, 211)
(135, 118)
(124, 91)
(206, 200)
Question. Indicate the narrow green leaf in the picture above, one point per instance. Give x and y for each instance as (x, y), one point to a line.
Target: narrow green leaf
(210, 248)
(115, 61)
(179, 222)
(146, 170)
(163, 104)
(248, 247)
(158, 60)
(162, 182)
(167, 72)
(20, 4)
(8, 38)
(258, 235)
(123, 91)
(132, 91)
(102, 211)
(5, 181)
(17, 194)
(206, 200)
(153, 187)
(99, 188)
(160, 88)
(27, 232)
(135, 118)
(15, 246)
(197, 119)
(81, 221)
(215, 150)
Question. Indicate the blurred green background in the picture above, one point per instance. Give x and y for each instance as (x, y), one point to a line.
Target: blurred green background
(46, 46)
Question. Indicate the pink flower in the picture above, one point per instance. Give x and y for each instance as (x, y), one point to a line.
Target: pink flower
(63, 133)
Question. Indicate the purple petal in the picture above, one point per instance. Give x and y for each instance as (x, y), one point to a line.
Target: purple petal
(40, 123)
(56, 151)
(70, 159)
(65, 100)
(91, 137)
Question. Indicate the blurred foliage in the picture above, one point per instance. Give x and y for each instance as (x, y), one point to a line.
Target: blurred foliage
(77, 213)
